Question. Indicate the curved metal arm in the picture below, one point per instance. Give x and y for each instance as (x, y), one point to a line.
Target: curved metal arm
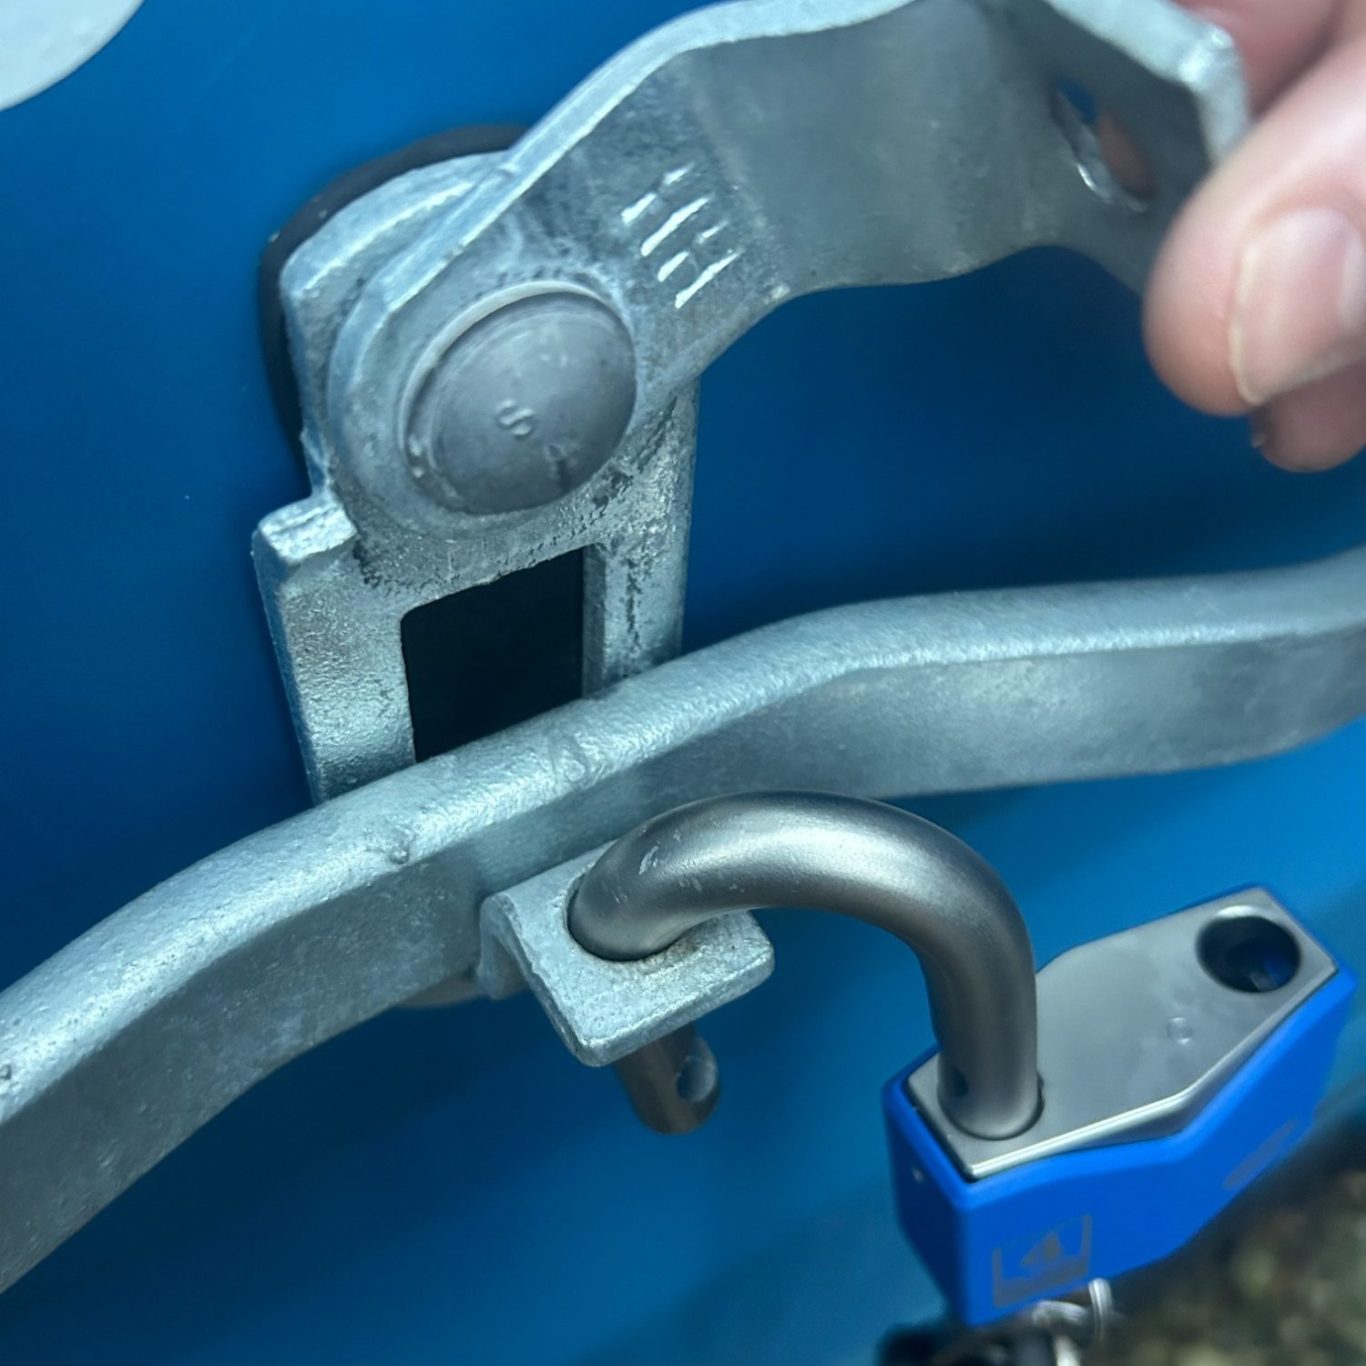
(861, 859)
(722, 165)
(122, 1045)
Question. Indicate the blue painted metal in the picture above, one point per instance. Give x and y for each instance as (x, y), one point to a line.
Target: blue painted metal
(400, 1195)
(1049, 1226)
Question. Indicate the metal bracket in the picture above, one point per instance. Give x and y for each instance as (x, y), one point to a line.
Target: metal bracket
(605, 1011)
(497, 355)
(338, 578)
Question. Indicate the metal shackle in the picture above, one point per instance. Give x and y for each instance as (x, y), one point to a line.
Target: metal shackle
(858, 858)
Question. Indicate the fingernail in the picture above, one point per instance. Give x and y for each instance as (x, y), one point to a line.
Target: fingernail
(1300, 310)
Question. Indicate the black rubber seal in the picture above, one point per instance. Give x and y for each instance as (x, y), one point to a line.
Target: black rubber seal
(456, 142)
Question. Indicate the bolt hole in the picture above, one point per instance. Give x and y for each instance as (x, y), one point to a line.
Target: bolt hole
(1248, 952)
(1111, 163)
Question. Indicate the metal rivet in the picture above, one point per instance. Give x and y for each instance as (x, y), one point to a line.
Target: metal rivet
(523, 405)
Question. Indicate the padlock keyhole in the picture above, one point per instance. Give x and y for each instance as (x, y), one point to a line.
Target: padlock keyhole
(1247, 952)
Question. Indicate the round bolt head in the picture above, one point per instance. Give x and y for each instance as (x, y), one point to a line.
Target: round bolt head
(523, 405)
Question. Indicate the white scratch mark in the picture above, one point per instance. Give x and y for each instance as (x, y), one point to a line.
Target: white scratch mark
(672, 224)
(704, 279)
(634, 211)
(671, 265)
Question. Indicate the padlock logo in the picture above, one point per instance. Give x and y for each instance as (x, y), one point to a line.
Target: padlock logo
(1033, 1267)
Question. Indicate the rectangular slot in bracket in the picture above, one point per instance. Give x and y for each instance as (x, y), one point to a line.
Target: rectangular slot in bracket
(485, 659)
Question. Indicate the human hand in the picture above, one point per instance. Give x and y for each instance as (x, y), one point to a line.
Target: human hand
(1258, 299)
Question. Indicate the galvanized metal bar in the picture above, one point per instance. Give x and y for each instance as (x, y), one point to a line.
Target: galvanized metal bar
(124, 1043)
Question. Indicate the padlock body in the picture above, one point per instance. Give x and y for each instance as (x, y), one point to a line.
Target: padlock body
(1050, 1225)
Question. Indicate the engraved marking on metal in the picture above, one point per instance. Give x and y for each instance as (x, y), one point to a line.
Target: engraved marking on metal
(672, 224)
(705, 278)
(661, 219)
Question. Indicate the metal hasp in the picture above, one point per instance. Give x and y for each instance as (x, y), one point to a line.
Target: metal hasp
(861, 859)
(496, 355)
(1185, 1056)
(638, 1016)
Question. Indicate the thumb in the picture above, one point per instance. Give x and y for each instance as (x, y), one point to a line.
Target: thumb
(1260, 292)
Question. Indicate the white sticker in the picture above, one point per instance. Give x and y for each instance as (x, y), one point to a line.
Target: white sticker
(43, 40)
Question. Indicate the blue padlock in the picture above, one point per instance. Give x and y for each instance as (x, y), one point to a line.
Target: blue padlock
(1074, 1123)
(1179, 1061)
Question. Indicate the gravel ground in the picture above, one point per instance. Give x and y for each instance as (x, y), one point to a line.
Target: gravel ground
(1289, 1291)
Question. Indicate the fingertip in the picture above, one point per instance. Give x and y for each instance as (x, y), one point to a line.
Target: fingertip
(1292, 463)
(1186, 312)
(1317, 427)
(1298, 173)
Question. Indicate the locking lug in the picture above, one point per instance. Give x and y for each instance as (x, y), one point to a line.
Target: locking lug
(604, 1010)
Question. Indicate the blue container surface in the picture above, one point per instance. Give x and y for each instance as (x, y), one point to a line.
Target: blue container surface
(1049, 1226)
(452, 1185)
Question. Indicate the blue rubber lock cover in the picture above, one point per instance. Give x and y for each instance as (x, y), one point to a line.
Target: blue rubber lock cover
(1047, 1227)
